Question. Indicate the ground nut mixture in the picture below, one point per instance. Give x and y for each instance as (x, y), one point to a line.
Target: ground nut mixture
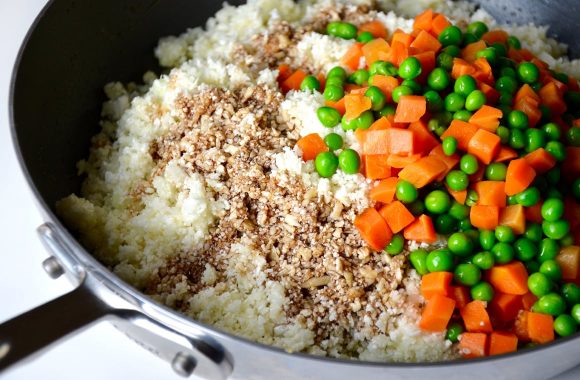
(194, 194)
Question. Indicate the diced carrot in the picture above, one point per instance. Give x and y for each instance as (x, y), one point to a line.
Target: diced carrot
(483, 71)
(438, 24)
(469, 52)
(395, 124)
(400, 141)
(322, 79)
(426, 42)
(376, 166)
(311, 145)
(375, 50)
(398, 53)
(552, 98)
(519, 176)
(388, 141)
(501, 342)
(437, 313)
(338, 105)
(449, 161)
(399, 162)
(284, 72)
(385, 83)
(351, 58)
(528, 300)
(421, 230)
(484, 145)
(402, 37)
(424, 141)
(491, 193)
(351, 88)
(569, 260)
(410, 109)
(373, 229)
(384, 192)
(505, 154)
(505, 307)
(521, 326)
(486, 118)
(485, 217)
(478, 175)
(514, 217)
(424, 21)
(526, 91)
(491, 94)
(534, 213)
(509, 278)
(423, 171)
(380, 124)
(473, 345)
(428, 62)
(460, 294)
(540, 160)
(436, 283)
(571, 165)
(495, 36)
(376, 28)
(540, 327)
(461, 67)
(397, 216)
(459, 195)
(475, 317)
(462, 131)
(357, 90)
(527, 106)
(572, 212)
(293, 82)
(355, 105)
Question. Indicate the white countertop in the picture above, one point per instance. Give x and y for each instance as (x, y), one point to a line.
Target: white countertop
(100, 352)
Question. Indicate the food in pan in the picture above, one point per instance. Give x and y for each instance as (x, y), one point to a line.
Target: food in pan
(366, 180)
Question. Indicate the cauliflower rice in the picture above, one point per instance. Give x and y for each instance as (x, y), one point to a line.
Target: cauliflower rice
(193, 194)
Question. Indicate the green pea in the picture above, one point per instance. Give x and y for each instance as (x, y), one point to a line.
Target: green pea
(561, 77)
(445, 224)
(487, 239)
(335, 82)
(452, 50)
(556, 149)
(534, 232)
(310, 83)
(349, 161)
(453, 332)
(505, 99)
(539, 284)
(576, 313)
(333, 141)
(573, 136)
(416, 208)
(396, 245)
(359, 77)
(552, 192)
(457, 180)
(378, 99)
(482, 292)
(528, 72)
(333, 27)
(387, 111)
(468, 164)
(503, 253)
(458, 211)
(410, 68)
(536, 138)
(567, 240)
(571, 293)
(454, 102)
(507, 84)
(490, 54)
(445, 61)
(440, 260)
(342, 30)
(465, 85)
(413, 85)
(496, 171)
(552, 209)
(333, 93)
(383, 68)
(514, 42)
(525, 249)
(518, 119)
(532, 266)
(472, 198)
(475, 100)
(467, 274)
(326, 164)
(551, 269)
(504, 234)
(548, 250)
(463, 115)
(565, 325)
(349, 125)
(511, 200)
(444, 117)
(576, 189)
(477, 28)
(406, 192)
(328, 116)
(434, 101)
(438, 79)
(546, 113)
(484, 260)
(437, 202)
(460, 244)
(469, 38)
(552, 131)
(529, 197)
(556, 230)
(418, 259)
(365, 37)
(465, 225)
(500, 49)
(337, 72)
(536, 86)
(401, 91)
(504, 134)
(451, 35)
(551, 303)
(449, 145)
(517, 139)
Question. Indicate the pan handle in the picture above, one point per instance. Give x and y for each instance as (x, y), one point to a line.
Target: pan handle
(32, 332)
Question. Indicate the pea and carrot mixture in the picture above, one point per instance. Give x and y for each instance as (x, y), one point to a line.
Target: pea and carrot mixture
(466, 135)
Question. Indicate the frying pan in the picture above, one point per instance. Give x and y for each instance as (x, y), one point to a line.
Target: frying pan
(75, 47)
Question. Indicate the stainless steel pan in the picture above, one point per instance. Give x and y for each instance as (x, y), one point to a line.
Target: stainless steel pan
(71, 51)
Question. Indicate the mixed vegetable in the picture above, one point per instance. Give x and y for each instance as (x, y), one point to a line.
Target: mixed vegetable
(470, 136)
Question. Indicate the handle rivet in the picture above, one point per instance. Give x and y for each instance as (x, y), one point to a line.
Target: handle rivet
(183, 364)
(52, 267)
